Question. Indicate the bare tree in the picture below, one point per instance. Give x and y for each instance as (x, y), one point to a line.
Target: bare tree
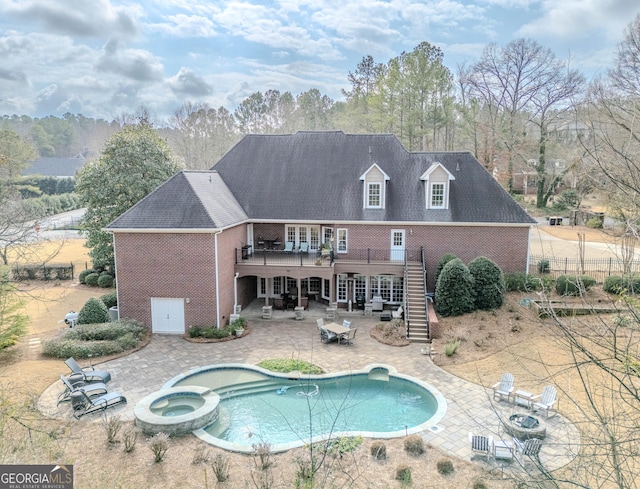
(523, 83)
(613, 139)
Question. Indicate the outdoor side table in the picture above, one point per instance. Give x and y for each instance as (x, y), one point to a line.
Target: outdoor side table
(299, 311)
(502, 450)
(522, 398)
(368, 309)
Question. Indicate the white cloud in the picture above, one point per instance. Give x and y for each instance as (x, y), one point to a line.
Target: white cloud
(185, 26)
(85, 18)
(186, 82)
(570, 19)
(135, 64)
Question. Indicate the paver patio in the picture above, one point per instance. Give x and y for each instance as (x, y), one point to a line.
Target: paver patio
(469, 406)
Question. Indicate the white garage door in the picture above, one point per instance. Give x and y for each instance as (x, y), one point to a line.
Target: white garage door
(167, 315)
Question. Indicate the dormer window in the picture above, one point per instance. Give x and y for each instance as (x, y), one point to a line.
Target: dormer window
(374, 195)
(374, 187)
(437, 180)
(437, 195)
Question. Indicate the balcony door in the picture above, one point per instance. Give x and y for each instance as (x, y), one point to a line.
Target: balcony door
(303, 234)
(397, 245)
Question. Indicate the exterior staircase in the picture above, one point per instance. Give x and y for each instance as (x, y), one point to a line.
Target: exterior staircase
(418, 327)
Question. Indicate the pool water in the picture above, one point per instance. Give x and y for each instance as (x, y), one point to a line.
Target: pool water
(296, 411)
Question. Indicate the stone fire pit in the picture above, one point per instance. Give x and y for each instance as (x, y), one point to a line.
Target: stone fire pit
(525, 426)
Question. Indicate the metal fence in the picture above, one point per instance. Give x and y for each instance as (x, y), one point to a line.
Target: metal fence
(598, 268)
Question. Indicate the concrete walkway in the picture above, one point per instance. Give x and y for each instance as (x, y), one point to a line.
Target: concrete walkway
(469, 406)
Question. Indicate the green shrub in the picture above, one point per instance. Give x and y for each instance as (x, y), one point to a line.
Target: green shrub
(105, 281)
(616, 284)
(110, 300)
(83, 274)
(379, 450)
(446, 258)
(403, 474)
(414, 445)
(93, 312)
(96, 340)
(479, 484)
(574, 284)
(521, 282)
(568, 199)
(613, 284)
(451, 347)
(455, 290)
(594, 223)
(445, 467)
(92, 279)
(343, 444)
(543, 267)
(488, 283)
(285, 365)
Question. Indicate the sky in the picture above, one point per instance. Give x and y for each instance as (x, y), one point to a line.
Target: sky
(107, 58)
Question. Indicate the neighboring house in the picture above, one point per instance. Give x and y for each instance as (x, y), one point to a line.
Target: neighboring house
(205, 241)
(56, 167)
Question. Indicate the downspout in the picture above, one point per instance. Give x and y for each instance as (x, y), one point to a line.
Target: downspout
(235, 292)
(528, 249)
(215, 246)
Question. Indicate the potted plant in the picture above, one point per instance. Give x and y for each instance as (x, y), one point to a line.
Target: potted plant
(238, 326)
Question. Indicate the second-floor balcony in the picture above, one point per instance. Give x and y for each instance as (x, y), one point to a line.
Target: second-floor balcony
(266, 257)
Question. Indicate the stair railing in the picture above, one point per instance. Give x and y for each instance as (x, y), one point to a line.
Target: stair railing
(405, 307)
(424, 286)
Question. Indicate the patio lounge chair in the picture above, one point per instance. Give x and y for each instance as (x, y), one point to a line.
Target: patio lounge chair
(481, 444)
(398, 313)
(92, 389)
(288, 247)
(102, 403)
(504, 388)
(528, 450)
(545, 401)
(90, 374)
(304, 247)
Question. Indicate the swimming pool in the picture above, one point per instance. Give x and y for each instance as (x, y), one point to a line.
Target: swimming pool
(287, 411)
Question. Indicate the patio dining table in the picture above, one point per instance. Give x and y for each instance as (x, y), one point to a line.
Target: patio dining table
(336, 328)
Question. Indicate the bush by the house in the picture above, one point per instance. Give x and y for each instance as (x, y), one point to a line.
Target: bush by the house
(110, 300)
(105, 281)
(445, 466)
(93, 312)
(210, 332)
(446, 258)
(574, 284)
(92, 279)
(489, 283)
(95, 340)
(455, 292)
(522, 282)
(83, 274)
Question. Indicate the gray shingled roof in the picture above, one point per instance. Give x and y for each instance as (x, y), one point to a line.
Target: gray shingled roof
(315, 176)
(188, 200)
(55, 167)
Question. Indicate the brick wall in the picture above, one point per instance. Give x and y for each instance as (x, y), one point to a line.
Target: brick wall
(179, 265)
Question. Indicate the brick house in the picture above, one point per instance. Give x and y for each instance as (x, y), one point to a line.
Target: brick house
(206, 241)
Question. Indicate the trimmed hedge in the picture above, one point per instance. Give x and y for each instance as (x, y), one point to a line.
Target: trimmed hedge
(574, 284)
(455, 290)
(521, 282)
(489, 283)
(96, 340)
(93, 312)
(110, 300)
(444, 259)
(615, 284)
(92, 279)
(83, 274)
(105, 281)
